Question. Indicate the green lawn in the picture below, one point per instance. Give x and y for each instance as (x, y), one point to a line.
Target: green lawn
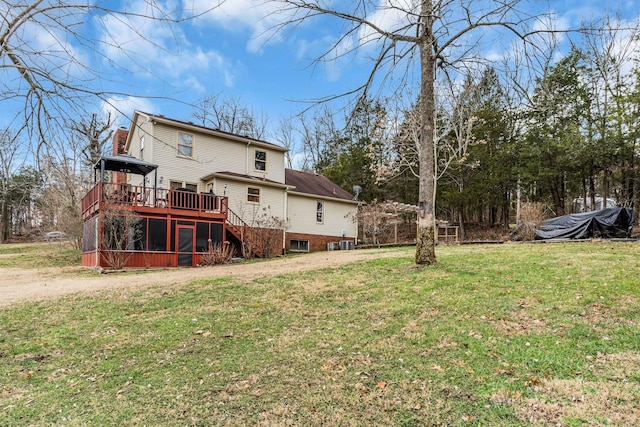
(516, 334)
(39, 255)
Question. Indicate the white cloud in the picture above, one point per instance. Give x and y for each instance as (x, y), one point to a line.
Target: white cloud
(157, 48)
(340, 61)
(122, 108)
(551, 29)
(389, 16)
(259, 18)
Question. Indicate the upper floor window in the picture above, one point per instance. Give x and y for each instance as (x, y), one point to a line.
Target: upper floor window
(142, 148)
(261, 160)
(319, 212)
(253, 195)
(185, 144)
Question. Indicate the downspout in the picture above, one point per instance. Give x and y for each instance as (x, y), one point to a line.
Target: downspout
(99, 226)
(97, 242)
(247, 158)
(284, 216)
(155, 186)
(102, 162)
(155, 171)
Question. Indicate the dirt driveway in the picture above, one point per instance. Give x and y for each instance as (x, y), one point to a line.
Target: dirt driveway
(18, 285)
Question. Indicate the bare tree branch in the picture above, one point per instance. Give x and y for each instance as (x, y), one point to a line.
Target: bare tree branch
(440, 31)
(55, 65)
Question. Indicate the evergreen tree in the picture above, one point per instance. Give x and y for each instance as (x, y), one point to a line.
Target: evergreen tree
(554, 152)
(354, 156)
(479, 181)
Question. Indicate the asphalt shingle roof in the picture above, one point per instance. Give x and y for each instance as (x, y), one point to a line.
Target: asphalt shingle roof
(312, 183)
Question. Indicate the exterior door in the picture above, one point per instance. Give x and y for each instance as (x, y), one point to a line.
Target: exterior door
(185, 246)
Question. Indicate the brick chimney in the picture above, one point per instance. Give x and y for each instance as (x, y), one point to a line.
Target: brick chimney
(119, 141)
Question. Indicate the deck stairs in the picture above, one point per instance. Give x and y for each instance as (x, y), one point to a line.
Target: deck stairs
(244, 233)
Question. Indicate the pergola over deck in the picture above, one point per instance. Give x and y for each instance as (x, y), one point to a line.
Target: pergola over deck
(145, 199)
(124, 163)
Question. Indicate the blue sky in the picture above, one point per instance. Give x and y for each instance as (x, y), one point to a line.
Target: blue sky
(230, 51)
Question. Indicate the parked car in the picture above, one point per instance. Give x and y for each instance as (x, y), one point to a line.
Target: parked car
(54, 235)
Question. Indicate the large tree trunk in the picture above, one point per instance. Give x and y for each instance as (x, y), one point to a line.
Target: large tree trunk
(4, 218)
(461, 208)
(463, 234)
(425, 241)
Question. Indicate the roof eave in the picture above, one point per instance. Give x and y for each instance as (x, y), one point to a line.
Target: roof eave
(319, 196)
(249, 180)
(202, 129)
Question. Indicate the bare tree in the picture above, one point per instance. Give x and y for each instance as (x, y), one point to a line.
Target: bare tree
(50, 64)
(9, 150)
(229, 115)
(63, 193)
(610, 51)
(120, 236)
(95, 134)
(266, 234)
(317, 132)
(284, 134)
(68, 172)
(431, 34)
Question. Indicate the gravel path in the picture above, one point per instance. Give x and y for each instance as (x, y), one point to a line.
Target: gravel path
(18, 285)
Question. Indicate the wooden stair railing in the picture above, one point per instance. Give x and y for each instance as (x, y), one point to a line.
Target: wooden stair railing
(243, 232)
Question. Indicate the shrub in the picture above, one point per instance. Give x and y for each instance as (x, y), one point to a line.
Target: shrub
(531, 216)
(217, 254)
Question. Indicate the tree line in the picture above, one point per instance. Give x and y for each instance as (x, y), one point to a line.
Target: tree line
(478, 137)
(573, 135)
(577, 136)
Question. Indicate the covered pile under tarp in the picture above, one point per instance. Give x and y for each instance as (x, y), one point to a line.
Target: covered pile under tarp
(611, 223)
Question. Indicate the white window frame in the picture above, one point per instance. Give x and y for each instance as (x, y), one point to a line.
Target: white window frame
(182, 184)
(251, 195)
(319, 212)
(297, 246)
(179, 153)
(261, 161)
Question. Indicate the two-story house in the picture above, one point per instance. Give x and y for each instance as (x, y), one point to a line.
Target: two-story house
(187, 186)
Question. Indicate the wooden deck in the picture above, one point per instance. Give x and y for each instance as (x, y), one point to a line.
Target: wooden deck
(176, 227)
(156, 202)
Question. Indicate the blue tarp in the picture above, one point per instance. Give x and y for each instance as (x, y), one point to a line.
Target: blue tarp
(611, 223)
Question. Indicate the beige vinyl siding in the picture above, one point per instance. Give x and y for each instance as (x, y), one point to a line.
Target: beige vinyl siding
(275, 164)
(171, 166)
(270, 197)
(302, 216)
(142, 129)
(210, 154)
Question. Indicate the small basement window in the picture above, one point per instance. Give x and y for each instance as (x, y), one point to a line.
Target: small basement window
(296, 245)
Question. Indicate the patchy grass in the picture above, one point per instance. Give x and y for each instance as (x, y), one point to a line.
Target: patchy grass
(39, 255)
(492, 335)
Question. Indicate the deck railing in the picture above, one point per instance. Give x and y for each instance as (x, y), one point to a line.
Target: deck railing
(121, 194)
